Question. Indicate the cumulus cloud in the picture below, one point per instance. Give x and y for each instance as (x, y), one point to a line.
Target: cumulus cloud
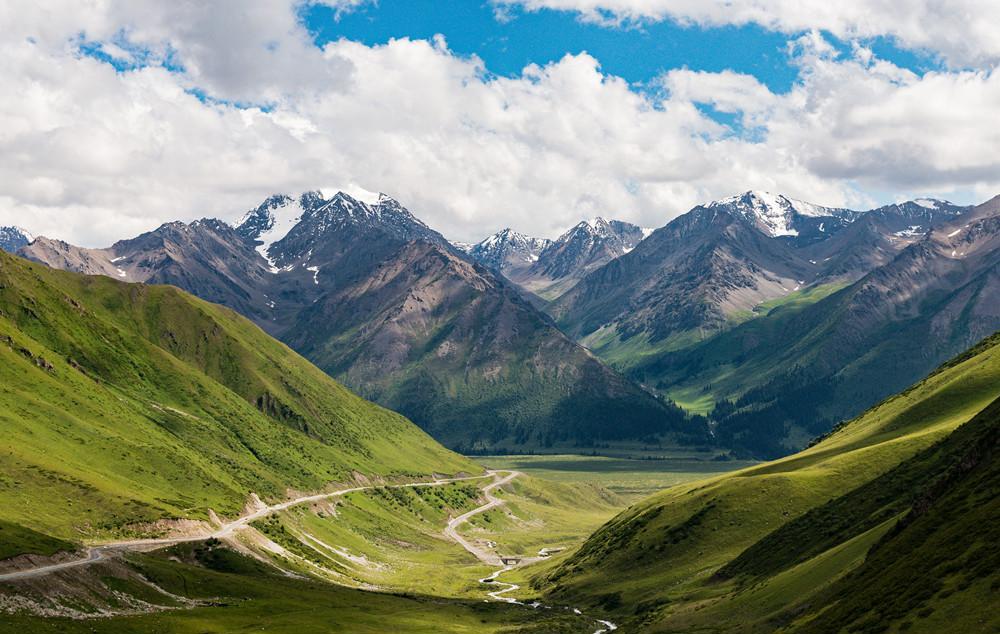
(94, 153)
(960, 31)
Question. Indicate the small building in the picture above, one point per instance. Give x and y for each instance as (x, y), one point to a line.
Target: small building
(510, 561)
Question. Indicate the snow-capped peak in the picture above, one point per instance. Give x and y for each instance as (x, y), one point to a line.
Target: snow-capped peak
(13, 238)
(773, 213)
(506, 247)
(355, 191)
(930, 203)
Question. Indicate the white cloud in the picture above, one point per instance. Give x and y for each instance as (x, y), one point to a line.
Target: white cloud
(92, 155)
(963, 32)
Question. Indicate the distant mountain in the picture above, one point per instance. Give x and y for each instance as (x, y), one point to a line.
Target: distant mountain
(207, 258)
(697, 274)
(712, 267)
(586, 246)
(508, 252)
(409, 321)
(386, 304)
(779, 216)
(143, 403)
(877, 236)
(800, 367)
(889, 520)
(548, 268)
(13, 238)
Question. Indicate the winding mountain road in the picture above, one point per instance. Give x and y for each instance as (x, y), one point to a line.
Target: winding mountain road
(493, 559)
(113, 549)
(105, 551)
(492, 502)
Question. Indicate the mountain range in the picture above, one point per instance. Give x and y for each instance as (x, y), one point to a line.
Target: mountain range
(548, 268)
(778, 319)
(384, 303)
(771, 316)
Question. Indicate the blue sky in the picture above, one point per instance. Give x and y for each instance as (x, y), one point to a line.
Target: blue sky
(637, 53)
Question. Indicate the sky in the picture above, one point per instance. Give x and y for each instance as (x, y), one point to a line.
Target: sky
(119, 115)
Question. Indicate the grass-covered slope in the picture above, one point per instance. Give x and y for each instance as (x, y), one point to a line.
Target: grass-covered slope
(938, 561)
(122, 404)
(681, 559)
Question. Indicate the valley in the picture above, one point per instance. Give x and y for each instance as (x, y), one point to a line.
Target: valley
(346, 497)
(614, 392)
(499, 317)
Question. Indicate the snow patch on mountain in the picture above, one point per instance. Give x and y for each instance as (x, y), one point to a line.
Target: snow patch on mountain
(773, 213)
(273, 221)
(508, 247)
(353, 190)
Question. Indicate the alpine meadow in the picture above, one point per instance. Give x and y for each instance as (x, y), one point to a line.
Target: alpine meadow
(510, 316)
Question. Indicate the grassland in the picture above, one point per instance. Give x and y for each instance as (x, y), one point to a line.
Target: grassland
(629, 479)
(384, 538)
(123, 405)
(656, 564)
(18, 540)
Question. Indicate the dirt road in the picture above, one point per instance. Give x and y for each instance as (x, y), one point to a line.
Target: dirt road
(104, 551)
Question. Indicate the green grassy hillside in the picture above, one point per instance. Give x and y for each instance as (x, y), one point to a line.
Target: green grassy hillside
(680, 560)
(126, 404)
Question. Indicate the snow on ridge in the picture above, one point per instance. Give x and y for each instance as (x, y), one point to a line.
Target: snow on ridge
(281, 220)
(909, 232)
(927, 203)
(353, 190)
(775, 213)
(24, 232)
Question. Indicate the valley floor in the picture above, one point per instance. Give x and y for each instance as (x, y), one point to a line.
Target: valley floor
(367, 556)
(629, 478)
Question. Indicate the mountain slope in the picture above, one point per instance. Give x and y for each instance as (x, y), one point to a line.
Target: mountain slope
(801, 368)
(751, 550)
(695, 274)
(460, 352)
(206, 258)
(126, 404)
(711, 267)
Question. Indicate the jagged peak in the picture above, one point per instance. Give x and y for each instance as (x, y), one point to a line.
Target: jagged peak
(18, 231)
(773, 213)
